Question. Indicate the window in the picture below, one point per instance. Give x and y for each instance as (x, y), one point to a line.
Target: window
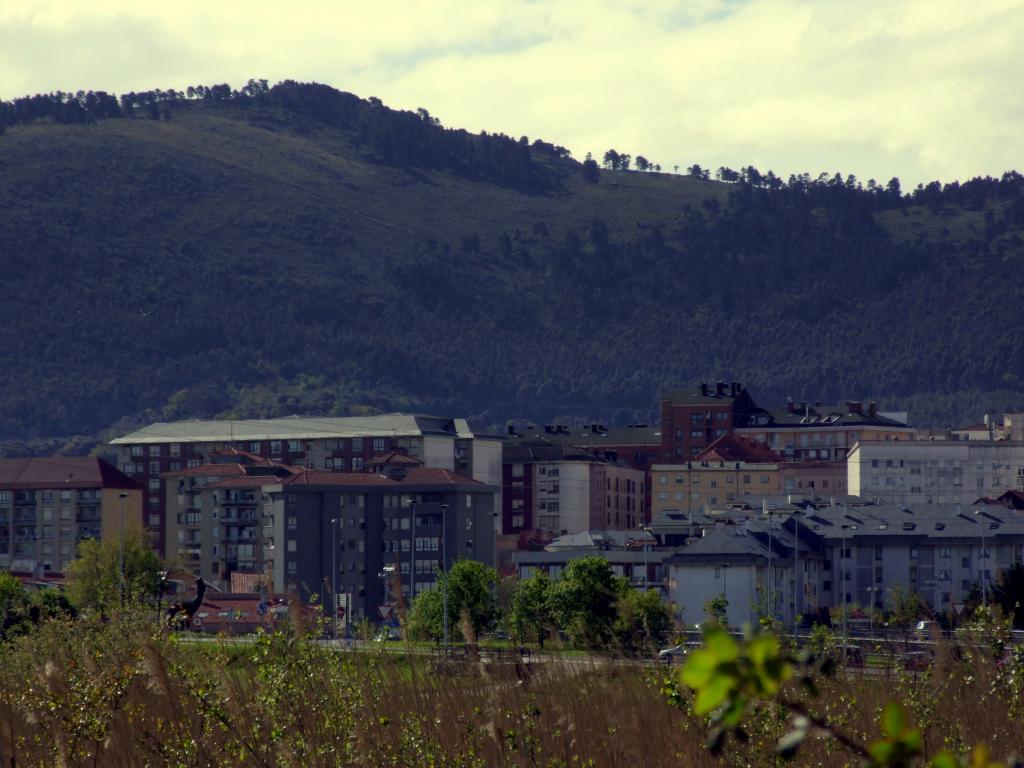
(696, 418)
(154, 450)
(293, 567)
(764, 479)
(294, 446)
(275, 447)
(293, 521)
(357, 464)
(136, 450)
(696, 433)
(517, 470)
(965, 562)
(378, 444)
(292, 545)
(254, 447)
(357, 445)
(174, 449)
(154, 467)
(662, 479)
(154, 521)
(154, 484)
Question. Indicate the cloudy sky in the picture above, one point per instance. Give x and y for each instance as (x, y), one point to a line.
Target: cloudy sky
(919, 89)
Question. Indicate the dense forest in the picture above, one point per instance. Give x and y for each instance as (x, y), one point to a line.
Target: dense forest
(296, 249)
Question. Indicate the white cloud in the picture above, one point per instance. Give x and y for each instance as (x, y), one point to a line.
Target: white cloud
(918, 88)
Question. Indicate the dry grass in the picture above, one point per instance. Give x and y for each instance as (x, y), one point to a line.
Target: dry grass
(89, 695)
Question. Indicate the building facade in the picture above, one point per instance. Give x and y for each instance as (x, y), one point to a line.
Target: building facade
(315, 532)
(345, 444)
(48, 506)
(693, 420)
(555, 488)
(934, 472)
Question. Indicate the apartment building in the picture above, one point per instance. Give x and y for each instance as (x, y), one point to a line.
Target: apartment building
(50, 505)
(806, 432)
(549, 485)
(298, 527)
(934, 472)
(850, 554)
(733, 467)
(344, 444)
(692, 420)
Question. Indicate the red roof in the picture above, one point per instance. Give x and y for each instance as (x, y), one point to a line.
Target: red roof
(733, 447)
(62, 472)
(436, 476)
(393, 457)
(317, 477)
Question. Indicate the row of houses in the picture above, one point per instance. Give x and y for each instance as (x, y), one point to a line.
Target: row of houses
(806, 558)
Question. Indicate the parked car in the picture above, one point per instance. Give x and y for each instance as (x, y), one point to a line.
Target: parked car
(389, 633)
(668, 655)
(925, 629)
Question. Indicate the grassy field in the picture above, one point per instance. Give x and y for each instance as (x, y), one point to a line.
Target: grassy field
(120, 694)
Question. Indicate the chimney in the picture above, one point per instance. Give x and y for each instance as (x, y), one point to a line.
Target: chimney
(550, 429)
(855, 406)
(790, 407)
(704, 389)
(719, 388)
(512, 431)
(734, 388)
(872, 409)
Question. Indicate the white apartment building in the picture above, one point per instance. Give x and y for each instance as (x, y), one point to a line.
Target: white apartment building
(911, 473)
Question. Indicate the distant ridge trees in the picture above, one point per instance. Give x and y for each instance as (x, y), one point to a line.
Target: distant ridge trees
(395, 137)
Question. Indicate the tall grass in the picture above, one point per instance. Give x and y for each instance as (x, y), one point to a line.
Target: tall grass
(121, 694)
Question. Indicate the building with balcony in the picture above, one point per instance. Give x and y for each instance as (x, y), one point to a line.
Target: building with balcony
(50, 505)
(344, 444)
(294, 528)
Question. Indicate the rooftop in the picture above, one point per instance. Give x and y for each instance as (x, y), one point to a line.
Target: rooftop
(297, 428)
(62, 472)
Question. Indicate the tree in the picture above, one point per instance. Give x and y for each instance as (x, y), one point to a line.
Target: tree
(470, 594)
(14, 606)
(1008, 593)
(590, 172)
(584, 601)
(530, 615)
(717, 610)
(611, 160)
(93, 578)
(644, 620)
(642, 164)
(905, 608)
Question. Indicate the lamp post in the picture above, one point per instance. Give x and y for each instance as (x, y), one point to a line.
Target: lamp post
(444, 572)
(798, 598)
(647, 531)
(725, 591)
(412, 553)
(842, 566)
(334, 576)
(982, 557)
(120, 551)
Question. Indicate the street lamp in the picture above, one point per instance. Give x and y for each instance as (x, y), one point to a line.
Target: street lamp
(444, 572)
(120, 551)
(334, 575)
(646, 529)
(983, 556)
(842, 566)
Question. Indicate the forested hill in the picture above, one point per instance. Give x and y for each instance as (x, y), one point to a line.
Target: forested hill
(298, 249)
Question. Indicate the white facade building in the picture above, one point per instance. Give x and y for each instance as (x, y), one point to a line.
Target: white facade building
(940, 472)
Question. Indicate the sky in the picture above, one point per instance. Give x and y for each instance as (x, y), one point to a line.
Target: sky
(918, 89)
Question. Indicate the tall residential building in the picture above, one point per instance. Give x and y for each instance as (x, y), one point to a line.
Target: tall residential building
(552, 487)
(49, 505)
(693, 420)
(934, 472)
(311, 530)
(344, 444)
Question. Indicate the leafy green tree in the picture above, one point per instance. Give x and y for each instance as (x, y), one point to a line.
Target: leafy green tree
(644, 620)
(590, 171)
(530, 615)
(93, 578)
(14, 606)
(471, 591)
(470, 595)
(717, 610)
(905, 608)
(584, 600)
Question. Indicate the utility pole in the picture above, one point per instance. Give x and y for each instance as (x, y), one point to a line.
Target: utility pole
(444, 572)
(412, 555)
(120, 552)
(334, 575)
(982, 557)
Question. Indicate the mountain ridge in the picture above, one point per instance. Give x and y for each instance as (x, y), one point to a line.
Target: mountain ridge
(277, 255)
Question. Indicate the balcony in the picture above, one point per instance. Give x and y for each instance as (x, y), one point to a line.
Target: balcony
(88, 516)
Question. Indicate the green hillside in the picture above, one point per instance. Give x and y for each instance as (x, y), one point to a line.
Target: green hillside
(301, 250)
